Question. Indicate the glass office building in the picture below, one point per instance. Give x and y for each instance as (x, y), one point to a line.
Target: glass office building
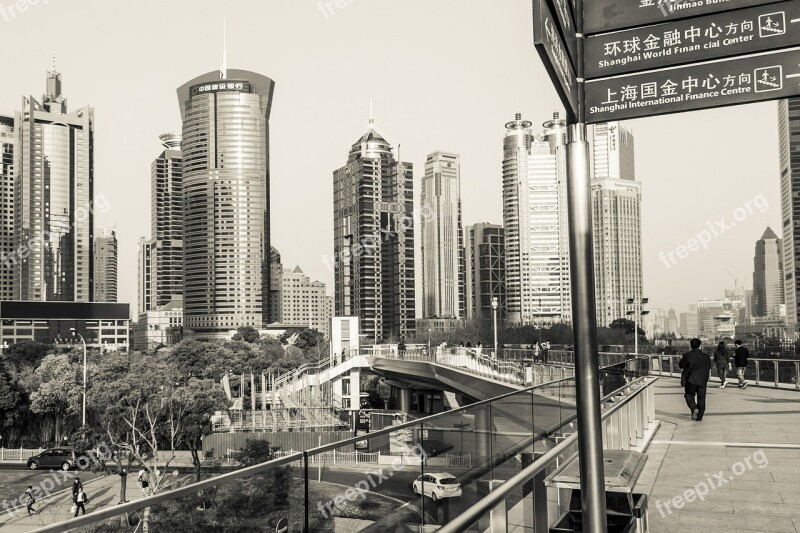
(226, 241)
(54, 181)
(8, 243)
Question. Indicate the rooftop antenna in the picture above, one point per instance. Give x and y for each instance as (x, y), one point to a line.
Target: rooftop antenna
(223, 73)
(54, 60)
(371, 118)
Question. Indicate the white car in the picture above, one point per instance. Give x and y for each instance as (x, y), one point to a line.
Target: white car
(437, 486)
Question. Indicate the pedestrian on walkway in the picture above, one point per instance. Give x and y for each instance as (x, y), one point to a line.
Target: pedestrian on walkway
(536, 349)
(723, 363)
(80, 501)
(545, 349)
(401, 349)
(77, 486)
(30, 500)
(696, 366)
(740, 360)
(144, 481)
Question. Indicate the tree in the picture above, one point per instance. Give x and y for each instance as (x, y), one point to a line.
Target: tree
(59, 395)
(12, 405)
(247, 334)
(194, 403)
(25, 354)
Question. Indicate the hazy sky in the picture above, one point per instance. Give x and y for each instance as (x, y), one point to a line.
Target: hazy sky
(444, 75)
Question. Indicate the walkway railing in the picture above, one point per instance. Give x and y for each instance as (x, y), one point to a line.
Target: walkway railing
(18, 454)
(500, 436)
(779, 373)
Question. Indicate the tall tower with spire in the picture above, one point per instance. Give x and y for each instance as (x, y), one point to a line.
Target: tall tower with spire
(226, 230)
(373, 239)
(54, 214)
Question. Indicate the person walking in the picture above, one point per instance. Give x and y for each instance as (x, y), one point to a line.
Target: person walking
(740, 360)
(401, 349)
(536, 348)
(144, 482)
(80, 501)
(77, 486)
(723, 363)
(545, 349)
(696, 366)
(30, 500)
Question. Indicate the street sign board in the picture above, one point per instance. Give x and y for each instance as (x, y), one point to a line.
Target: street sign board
(610, 15)
(731, 33)
(554, 55)
(566, 23)
(751, 78)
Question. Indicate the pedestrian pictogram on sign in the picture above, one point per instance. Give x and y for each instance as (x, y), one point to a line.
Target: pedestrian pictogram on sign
(772, 24)
(768, 79)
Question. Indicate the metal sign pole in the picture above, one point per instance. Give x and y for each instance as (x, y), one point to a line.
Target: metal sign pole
(584, 316)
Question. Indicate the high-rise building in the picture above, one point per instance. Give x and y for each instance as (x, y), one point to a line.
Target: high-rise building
(616, 220)
(486, 271)
(373, 221)
(54, 175)
(8, 241)
(276, 275)
(688, 325)
(789, 153)
(442, 250)
(768, 276)
(166, 221)
(537, 285)
(105, 267)
(146, 275)
(304, 302)
(226, 236)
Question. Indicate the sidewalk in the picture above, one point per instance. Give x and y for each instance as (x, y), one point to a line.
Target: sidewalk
(764, 496)
(103, 492)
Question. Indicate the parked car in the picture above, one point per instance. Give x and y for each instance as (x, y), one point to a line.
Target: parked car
(63, 458)
(437, 486)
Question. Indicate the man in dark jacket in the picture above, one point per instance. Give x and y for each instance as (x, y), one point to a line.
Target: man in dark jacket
(740, 362)
(696, 367)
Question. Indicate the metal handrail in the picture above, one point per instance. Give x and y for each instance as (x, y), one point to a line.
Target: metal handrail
(489, 502)
(191, 489)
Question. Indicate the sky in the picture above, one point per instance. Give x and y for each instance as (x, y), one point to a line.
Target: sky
(443, 75)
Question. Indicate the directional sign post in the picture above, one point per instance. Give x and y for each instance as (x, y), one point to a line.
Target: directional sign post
(555, 55)
(609, 15)
(753, 78)
(727, 34)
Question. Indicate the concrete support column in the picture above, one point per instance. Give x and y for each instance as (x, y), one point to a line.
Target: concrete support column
(405, 400)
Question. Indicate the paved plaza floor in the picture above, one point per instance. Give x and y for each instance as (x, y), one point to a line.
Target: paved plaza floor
(736, 470)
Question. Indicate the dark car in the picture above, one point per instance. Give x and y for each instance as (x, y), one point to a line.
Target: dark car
(64, 458)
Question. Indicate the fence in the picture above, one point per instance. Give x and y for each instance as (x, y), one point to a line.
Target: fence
(18, 454)
(777, 373)
(335, 457)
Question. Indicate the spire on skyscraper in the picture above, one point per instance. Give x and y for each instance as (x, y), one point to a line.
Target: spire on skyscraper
(223, 72)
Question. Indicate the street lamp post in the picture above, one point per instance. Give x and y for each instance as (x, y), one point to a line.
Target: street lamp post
(75, 333)
(636, 314)
(495, 305)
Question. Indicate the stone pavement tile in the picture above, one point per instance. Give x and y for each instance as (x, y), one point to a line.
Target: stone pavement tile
(750, 506)
(776, 453)
(743, 484)
(667, 507)
(782, 476)
(739, 496)
(741, 521)
(792, 498)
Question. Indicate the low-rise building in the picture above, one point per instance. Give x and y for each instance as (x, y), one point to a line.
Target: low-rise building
(159, 328)
(103, 326)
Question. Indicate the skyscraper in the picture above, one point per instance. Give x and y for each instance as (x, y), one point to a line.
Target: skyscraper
(166, 220)
(616, 221)
(789, 153)
(226, 240)
(768, 276)
(8, 241)
(537, 285)
(54, 175)
(146, 275)
(105, 267)
(373, 232)
(486, 270)
(442, 238)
